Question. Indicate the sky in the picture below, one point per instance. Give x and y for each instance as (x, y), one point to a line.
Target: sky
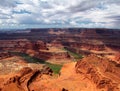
(59, 14)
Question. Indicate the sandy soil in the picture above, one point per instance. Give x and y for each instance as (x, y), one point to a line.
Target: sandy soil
(68, 80)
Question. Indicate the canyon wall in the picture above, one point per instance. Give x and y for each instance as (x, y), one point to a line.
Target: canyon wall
(104, 42)
(4, 55)
(79, 38)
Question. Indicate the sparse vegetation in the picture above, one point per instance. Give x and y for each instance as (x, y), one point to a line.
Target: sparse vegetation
(28, 58)
(55, 67)
(76, 56)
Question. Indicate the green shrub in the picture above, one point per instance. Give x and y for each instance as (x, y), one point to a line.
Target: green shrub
(55, 67)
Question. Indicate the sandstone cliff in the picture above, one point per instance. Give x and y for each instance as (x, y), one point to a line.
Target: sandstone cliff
(22, 80)
(104, 73)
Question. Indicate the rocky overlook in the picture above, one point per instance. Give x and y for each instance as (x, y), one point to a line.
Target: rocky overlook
(104, 73)
(90, 74)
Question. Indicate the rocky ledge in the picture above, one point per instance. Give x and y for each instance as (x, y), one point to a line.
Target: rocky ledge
(101, 71)
(22, 80)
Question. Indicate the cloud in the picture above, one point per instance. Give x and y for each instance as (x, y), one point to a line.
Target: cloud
(60, 13)
(7, 3)
(84, 5)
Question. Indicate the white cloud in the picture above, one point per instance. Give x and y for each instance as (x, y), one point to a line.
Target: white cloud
(80, 13)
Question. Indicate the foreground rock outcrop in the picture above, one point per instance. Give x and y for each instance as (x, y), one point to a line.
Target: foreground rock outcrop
(92, 73)
(101, 71)
(22, 80)
(117, 57)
